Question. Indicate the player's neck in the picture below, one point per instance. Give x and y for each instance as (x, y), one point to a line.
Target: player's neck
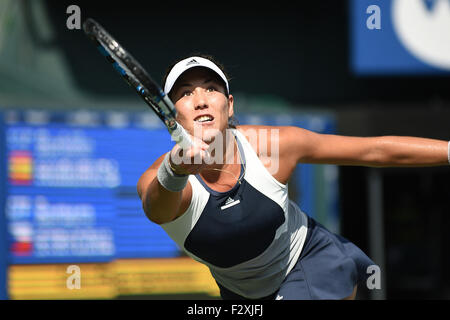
(228, 166)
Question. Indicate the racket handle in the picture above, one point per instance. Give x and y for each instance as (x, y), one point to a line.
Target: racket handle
(181, 137)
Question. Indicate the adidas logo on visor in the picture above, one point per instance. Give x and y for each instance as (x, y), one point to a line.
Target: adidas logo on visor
(193, 61)
(190, 62)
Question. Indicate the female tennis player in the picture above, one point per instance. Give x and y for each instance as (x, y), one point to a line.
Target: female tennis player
(225, 203)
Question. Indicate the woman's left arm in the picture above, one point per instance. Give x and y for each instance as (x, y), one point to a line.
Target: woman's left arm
(384, 151)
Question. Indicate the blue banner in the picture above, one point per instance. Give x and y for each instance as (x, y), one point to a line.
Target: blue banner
(3, 222)
(400, 37)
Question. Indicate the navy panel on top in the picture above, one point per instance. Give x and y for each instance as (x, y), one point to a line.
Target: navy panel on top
(235, 226)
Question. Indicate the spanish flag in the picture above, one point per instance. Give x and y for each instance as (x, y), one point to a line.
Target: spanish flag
(20, 168)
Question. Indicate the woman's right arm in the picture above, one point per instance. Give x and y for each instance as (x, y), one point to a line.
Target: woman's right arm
(160, 204)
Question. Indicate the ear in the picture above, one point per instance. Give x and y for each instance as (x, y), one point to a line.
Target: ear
(230, 106)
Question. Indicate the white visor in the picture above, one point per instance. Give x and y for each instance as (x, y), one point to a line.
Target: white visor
(188, 63)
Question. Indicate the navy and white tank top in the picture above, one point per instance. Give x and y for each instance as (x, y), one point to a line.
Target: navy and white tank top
(250, 237)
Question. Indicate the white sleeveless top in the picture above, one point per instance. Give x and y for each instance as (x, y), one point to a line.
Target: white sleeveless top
(250, 237)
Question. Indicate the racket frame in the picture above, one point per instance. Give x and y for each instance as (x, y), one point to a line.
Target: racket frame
(138, 78)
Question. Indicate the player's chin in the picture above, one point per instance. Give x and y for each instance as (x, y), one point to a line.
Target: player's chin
(210, 135)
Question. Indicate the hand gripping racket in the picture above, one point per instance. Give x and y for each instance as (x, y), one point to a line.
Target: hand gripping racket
(136, 76)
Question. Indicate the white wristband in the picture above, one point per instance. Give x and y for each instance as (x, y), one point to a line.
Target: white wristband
(169, 179)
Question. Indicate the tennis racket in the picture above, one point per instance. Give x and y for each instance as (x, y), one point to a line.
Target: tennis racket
(136, 76)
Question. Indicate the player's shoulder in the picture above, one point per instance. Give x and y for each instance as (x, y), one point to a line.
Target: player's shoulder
(286, 138)
(256, 130)
(263, 136)
(278, 131)
(245, 127)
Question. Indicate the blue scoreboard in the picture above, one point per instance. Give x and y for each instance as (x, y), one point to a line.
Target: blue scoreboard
(71, 186)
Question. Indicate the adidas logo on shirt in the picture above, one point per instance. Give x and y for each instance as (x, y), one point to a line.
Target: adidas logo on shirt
(229, 203)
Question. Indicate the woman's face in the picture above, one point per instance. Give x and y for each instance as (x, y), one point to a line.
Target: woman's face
(202, 106)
